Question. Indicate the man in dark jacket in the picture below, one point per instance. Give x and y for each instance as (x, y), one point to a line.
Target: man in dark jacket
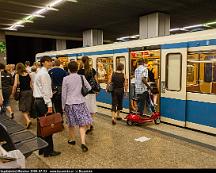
(57, 74)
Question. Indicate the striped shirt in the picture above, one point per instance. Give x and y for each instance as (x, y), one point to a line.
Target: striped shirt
(140, 72)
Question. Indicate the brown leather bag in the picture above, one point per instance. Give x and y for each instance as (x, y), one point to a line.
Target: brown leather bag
(50, 124)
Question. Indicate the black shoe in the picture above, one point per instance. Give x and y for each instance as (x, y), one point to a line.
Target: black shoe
(40, 152)
(91, 127)
(84, 148)
(28, 125)
(88, 131)
(54, 153)
(12, 115)
(71, 142)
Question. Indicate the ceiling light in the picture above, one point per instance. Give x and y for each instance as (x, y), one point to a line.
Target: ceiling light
(211, 23)
(193, 26)
(38, 13)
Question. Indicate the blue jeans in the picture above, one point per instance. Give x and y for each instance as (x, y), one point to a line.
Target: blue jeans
(143, 99)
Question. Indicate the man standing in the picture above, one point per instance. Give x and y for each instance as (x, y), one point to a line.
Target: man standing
(57, 74)
(43, 93)
(141, 86)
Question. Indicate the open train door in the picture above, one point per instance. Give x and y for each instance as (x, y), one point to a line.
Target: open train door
(173, 84)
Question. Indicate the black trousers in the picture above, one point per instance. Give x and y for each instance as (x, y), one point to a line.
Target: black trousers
(57, 102)
(117, 99)
(41, 109)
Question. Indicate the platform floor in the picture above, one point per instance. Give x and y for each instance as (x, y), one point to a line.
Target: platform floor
(115, 146)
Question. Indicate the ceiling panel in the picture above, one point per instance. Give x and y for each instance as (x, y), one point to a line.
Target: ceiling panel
(115, 17)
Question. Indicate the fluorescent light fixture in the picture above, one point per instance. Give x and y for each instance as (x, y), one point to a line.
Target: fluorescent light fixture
(38, 13)
(12, 29)
(51, 8)
(175, 29)
(193, 26)
(55, 3)
(211, 23)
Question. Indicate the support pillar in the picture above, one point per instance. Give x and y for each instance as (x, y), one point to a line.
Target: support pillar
(154, 25)
(60, 44)
(3, 52)
(92, 37)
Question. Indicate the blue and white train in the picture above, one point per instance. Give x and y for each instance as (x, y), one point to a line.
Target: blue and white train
(185, 71)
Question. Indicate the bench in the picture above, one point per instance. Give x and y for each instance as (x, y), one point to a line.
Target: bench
(14, 136)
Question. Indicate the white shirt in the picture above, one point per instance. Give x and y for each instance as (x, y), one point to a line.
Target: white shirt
(140, 72)
(42, 86)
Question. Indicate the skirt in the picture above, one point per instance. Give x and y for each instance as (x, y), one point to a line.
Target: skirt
(77, 114)
(91, 103)
(25, 101)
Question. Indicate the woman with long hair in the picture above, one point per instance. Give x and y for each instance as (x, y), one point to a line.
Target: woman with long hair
(23, 79)
(89, 73)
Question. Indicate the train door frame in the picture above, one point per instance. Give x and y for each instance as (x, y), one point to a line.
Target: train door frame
(146, 48)
(173, 101)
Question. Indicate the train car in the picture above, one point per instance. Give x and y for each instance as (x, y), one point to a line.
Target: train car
(185, 72)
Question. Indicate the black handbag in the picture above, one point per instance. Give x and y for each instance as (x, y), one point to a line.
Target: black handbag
(95, 86)
(84, 90)
(17, 93)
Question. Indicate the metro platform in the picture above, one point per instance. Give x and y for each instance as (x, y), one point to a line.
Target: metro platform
(114, 146)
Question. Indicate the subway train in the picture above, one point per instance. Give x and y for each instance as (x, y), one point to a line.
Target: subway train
(185, 73)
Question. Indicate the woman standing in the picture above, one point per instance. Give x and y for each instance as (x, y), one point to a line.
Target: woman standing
(119, 85)
(73, 102)
(23, 79)
(89, 73)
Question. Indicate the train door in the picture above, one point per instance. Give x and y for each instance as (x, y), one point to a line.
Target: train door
(173, 85)
(152, 54)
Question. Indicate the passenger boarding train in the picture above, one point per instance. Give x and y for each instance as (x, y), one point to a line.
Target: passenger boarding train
(185, 71)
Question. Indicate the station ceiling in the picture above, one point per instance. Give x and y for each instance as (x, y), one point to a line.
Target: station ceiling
(116, 18)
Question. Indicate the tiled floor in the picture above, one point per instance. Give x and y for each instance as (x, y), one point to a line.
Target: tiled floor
(115, 147)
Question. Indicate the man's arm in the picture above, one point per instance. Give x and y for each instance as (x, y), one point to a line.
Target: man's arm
(144, 80)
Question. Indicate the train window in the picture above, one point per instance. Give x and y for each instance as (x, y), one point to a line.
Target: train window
(121, 59)
(201, 72)
(173, 64)
(104, 69)
(80, 64)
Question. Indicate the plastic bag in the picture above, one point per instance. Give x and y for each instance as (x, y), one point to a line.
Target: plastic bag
(18, 163)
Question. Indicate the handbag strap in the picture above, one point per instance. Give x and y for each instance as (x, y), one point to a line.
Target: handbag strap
(82, 80)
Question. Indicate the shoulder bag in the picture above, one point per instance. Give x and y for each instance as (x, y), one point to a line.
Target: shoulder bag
(50, 124)
(94, 84)
(84, 90)
(17, 92)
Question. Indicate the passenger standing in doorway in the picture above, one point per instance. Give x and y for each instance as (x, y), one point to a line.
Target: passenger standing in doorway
(152, 82)
(119, 86)
(73, 102)
(43, 93)
(89, 73)
(141, 86)
(57, 74)
(23, 79)
(6, 87)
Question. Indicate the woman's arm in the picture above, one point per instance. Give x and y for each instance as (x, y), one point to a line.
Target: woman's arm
(15, 84)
